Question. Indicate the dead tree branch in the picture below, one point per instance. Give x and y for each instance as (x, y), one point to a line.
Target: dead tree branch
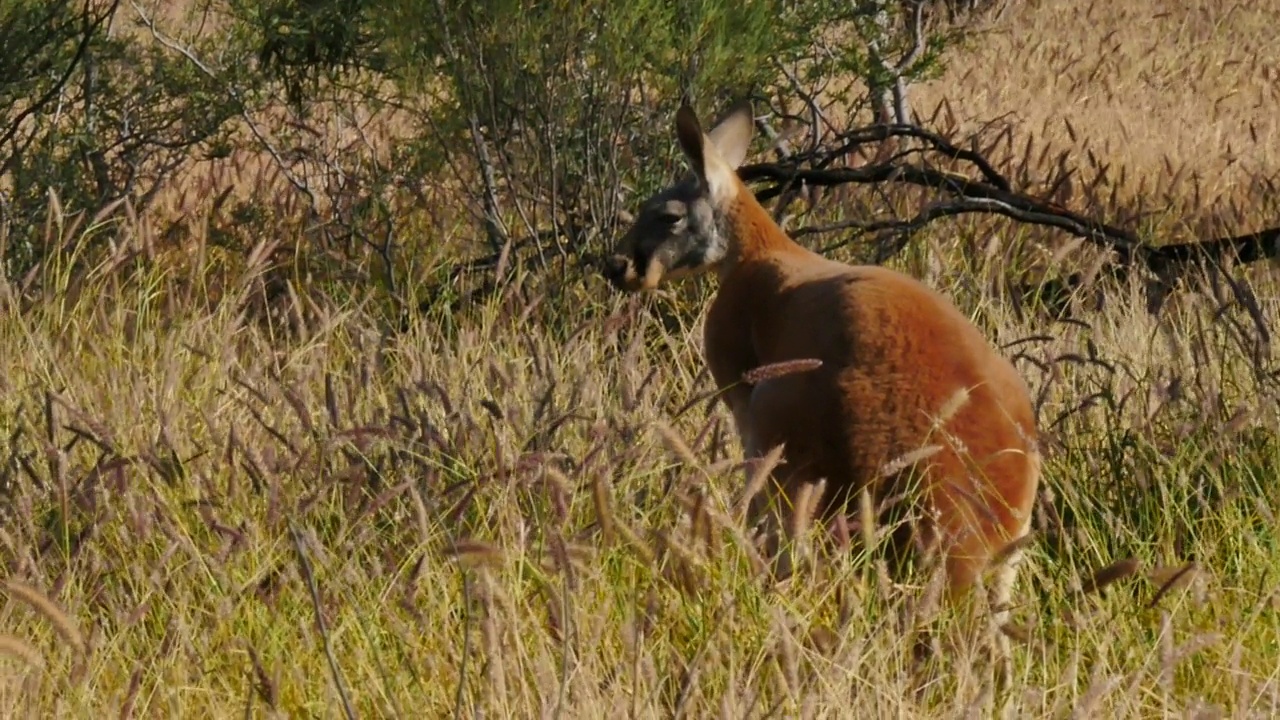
(988, 193)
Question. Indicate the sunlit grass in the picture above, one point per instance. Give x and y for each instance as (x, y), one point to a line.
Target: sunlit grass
(178, 481)
(219, 499)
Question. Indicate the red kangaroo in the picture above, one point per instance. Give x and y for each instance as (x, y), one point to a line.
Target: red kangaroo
(908, 387)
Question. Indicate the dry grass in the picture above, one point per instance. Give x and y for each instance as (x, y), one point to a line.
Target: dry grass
(1144, 86)
(525, 510)
(189, 496)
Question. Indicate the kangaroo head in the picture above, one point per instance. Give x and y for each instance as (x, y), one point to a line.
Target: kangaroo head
(682, 230)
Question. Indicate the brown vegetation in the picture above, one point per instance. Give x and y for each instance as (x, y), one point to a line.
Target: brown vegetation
(525, 506)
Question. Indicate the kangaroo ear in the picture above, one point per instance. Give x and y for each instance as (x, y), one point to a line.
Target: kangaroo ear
(732, 135)
(689, 133)
(715, 172)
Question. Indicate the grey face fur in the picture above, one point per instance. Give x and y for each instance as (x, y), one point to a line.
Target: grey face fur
(676, 232)
(681, 230)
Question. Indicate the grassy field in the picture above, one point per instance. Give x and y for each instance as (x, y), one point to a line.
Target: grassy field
(1182, 81)
(528, 509)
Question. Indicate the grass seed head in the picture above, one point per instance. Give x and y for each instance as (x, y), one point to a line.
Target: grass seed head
(20, 650)
(776, 370)
(46, 607)
(476, 553)
(1113, 573)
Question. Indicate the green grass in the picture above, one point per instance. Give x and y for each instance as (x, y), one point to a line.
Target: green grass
(494, 522)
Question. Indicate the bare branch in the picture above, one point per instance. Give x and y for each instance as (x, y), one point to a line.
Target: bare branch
(1124, 241)
(917, 40)
(991, 194)
(901, 108)
(879, 133)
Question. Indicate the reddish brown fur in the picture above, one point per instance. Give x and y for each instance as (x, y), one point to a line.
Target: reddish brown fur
(895, 356)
